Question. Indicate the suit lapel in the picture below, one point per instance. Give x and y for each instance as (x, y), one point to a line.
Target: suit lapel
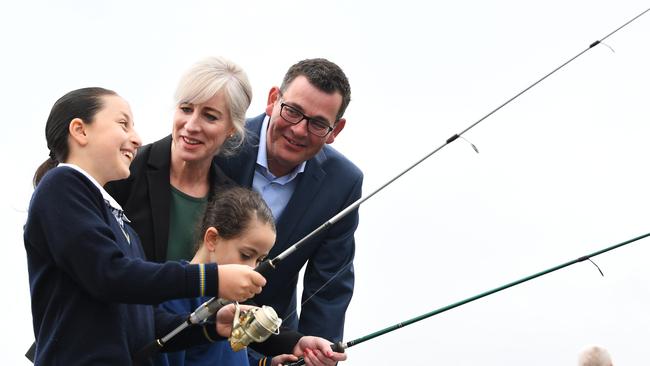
(305, 194)
(158, 167)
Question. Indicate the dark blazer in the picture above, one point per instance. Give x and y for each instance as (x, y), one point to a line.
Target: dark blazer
(145, 196)
(328, 185)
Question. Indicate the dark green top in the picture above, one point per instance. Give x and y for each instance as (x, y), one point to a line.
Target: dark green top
(184, 216)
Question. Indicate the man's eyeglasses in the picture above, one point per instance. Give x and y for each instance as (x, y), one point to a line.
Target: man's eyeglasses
(315, 126)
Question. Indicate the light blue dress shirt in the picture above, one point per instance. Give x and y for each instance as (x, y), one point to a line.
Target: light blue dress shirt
(276, 191)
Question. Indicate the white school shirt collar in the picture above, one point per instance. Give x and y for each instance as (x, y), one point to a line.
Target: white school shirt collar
(111, 201)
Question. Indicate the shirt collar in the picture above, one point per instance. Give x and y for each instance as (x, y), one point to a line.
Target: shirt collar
(262, 159)
(107, 197)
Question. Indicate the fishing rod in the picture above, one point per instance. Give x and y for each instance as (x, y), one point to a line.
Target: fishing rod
(341, 346)
(210, 307)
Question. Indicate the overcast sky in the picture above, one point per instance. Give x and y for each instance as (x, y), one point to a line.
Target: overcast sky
(562, 171)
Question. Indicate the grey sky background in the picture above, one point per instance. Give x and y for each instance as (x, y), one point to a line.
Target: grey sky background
(562, 171)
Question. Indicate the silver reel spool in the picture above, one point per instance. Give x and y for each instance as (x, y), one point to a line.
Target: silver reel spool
(253, 325)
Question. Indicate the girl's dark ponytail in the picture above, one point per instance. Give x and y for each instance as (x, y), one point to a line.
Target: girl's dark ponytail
(81, 103)
(48, 164)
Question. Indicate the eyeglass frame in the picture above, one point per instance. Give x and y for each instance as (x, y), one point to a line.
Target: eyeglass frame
(307, 118)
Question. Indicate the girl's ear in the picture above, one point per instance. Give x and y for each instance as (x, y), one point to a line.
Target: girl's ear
(77, 130)
(211, 238)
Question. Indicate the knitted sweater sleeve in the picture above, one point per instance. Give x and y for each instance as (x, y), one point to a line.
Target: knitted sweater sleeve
(70, 224)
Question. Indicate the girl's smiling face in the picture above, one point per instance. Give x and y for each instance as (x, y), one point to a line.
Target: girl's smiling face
(111, 141)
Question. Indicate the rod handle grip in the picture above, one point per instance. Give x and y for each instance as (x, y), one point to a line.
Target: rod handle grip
(147, 352)
(300, 362)
(265, 268)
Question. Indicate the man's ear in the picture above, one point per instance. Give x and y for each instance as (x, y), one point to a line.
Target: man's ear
(77, 130)
(338, 127)
(274, 95)
(211, 238)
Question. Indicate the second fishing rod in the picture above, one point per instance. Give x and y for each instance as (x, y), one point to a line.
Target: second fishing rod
(209, 308)
(342, 346)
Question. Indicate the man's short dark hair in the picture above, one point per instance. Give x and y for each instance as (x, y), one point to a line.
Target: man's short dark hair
(324, 75)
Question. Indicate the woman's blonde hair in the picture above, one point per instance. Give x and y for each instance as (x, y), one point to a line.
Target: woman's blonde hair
(210, 76)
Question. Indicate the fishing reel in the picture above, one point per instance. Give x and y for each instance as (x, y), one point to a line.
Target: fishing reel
(253, 325)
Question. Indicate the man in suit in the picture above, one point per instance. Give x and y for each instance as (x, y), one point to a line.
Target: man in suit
(306, 182)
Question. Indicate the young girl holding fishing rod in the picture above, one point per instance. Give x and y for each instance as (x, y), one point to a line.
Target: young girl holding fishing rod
(238, 228)
(90, 285)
